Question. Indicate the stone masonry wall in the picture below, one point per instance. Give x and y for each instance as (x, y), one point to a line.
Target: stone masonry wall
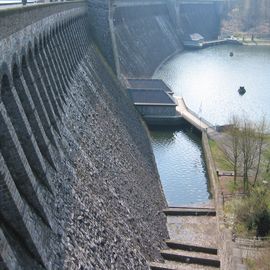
(145, 34)
(200, 18)
(15, 19)
(145, 37)
(98, 11)
(79, 188)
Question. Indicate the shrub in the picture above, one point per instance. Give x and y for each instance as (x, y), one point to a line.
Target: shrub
(261, 261)
(252, 213)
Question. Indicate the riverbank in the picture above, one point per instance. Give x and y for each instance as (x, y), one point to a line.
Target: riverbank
(255, 42)
(240, 207)
(230, 255)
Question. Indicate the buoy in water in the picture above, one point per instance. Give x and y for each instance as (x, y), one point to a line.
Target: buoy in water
(231, 54)
(242, 90)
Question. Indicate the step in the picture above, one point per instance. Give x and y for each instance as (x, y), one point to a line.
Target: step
(190, 257)
(174, 244)
(189, 211)
(178, 266)
(195, 230)
(161, 266)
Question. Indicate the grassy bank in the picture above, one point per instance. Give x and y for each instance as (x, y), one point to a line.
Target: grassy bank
(221, 162)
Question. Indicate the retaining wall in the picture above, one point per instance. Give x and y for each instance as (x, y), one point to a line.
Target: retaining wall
(79, 188)
(230, 255)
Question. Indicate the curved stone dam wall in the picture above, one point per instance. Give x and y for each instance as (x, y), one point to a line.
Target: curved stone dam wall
(148, 32)
(99, 12)
(200, 18)
(144, 37)
(79, 188)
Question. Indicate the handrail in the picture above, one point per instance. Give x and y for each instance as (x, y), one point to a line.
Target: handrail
(252, 242)
(203, 120)
(200, 117)
(25, 2)
(259, 238)
(17, 2)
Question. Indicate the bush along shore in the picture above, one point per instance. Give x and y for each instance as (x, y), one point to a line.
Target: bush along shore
(241, 155)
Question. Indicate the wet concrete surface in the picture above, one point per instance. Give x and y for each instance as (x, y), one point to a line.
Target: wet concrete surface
(193, 230)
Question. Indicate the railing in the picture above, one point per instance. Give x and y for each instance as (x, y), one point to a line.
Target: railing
(253, 242)
(24, 2)
(16, 2)
(230, 196)
(201, 118)
(197, 115)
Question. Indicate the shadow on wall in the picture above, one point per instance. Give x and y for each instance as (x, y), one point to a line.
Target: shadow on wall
(33, 96)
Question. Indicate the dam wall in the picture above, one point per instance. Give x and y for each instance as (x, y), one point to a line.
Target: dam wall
(147, 33)
(99, 13)
(145, 36)
(79, 188)
(200, 18)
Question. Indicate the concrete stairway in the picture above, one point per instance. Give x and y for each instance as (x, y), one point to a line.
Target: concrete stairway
(190, 257)
(189, 211)
(178, 266)
(194, 249)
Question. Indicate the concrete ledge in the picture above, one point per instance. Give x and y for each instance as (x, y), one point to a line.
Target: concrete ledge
(164, 120)
(162, 266)
(193, 258)
(178, 245)
(154, 104)
(189, 212)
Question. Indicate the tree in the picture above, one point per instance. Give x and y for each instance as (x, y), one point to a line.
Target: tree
(260, 133)
(253, 211)
(243, 146)
(248, 146)
(231, 144)
(267, 165)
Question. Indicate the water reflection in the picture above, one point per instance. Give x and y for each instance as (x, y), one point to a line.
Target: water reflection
(181, 166)
(208, 79)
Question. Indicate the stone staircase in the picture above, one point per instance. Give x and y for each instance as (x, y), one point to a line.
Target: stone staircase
(193, 240)
(189, 211)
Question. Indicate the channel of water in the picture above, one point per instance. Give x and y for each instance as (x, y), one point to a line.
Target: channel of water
(208, 80)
